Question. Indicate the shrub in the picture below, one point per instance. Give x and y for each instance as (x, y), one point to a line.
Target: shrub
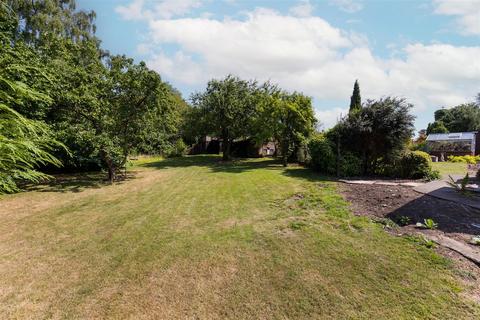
(178, 149)
(321, 154)
(427, 224)
(416, 165)
(464, 159)
(350, 165)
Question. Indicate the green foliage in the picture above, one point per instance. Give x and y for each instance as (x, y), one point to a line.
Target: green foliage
(350, 164)
(178, 149)
(321, 153)
(428, 243)
(101, 106)
(462, 186)
(404, 220)
(355, 99)
(287, 117)
(24, 145)
(464, 159)
(225, 109)
(462, 118)
(437, 127)
(378, 133)
(427, 224)
(416, 165)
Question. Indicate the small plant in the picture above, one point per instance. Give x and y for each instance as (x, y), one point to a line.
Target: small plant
(427, 224)
(428, 243)
(297, 225)
(387, 223)
(475, 240)
(462, 187)
(404, 220)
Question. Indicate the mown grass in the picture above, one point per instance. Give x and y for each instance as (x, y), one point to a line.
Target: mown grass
(197, 238)
(448, 168)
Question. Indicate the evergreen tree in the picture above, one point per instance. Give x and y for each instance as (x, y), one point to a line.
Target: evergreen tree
(355, 99)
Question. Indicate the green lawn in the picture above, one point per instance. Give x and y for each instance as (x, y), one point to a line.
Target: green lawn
(447, 168)
(195, 238)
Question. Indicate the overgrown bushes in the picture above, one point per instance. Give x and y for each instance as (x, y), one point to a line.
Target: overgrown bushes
(372, 141)
(464, 159)
(417, 165)
(322, 157)
(178, 149)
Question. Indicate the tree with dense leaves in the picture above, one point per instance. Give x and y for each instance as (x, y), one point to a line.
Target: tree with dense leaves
(24, 144)
(287, 118)
(45, 21)
(378, 133)
(436, 127)
(225, 109)
(462, 118)
(355, 99)
(101, 106)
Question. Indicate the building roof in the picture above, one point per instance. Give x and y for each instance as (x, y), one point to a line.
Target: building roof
(451, 136)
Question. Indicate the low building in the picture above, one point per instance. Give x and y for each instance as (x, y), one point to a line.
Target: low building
(443, 145)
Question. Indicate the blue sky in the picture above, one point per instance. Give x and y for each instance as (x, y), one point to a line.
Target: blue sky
(425, 51)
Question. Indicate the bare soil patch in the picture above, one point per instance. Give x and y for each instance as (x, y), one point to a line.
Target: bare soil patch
(394, 202)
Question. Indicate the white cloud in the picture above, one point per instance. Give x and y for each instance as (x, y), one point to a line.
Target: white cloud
(133, 11)
(328, 118)
(349, 6)
(467, 13)
(303, 9)
(308, 54)
(165, 9)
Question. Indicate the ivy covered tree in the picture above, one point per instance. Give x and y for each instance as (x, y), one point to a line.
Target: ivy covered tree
(355, 99)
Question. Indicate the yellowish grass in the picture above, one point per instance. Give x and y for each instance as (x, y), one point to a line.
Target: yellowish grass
(196, 238)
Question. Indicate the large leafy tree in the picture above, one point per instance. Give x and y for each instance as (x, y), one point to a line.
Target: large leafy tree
(46, 21)
(379, 133)
(288, 118)
(225, 109)
(461, 118)
(97, 100)
(24, 144)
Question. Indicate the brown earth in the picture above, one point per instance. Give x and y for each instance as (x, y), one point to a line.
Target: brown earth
(394, 202)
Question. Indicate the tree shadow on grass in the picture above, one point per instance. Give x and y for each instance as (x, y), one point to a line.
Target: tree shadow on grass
(216, 164)
(75, 182)
(307, 174)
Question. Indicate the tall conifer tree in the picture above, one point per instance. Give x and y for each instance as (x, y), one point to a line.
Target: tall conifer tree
(355, 99)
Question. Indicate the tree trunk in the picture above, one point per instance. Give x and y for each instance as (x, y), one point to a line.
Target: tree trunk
(226, 145)
(284, 150)
(111, 173)
(110, 166)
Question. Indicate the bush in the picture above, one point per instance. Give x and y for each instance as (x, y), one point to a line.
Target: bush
(350, 165)
(464, 159)
(321, 154)
(417, 165)
(178, 149)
